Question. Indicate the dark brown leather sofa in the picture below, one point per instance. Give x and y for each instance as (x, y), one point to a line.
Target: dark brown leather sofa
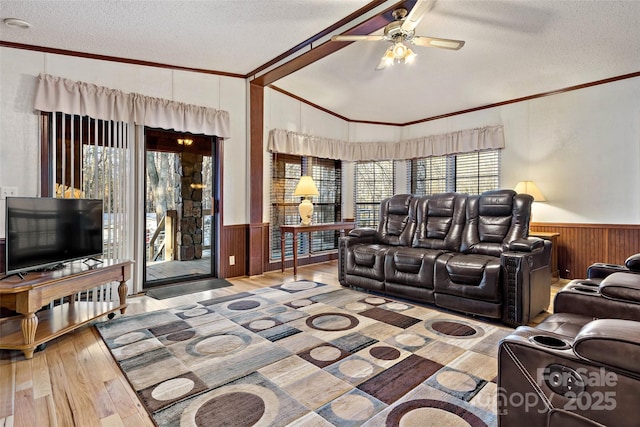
(581, 366)
(466, 253)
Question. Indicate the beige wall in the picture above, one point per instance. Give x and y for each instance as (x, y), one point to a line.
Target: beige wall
(582, 147)
(19, 126)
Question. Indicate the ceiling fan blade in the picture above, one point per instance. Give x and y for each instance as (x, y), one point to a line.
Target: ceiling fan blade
(381, 65)
(346, 38)
(417, 12)
(436, 42)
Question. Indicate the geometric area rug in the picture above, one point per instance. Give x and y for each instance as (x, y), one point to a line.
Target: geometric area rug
(308, 354)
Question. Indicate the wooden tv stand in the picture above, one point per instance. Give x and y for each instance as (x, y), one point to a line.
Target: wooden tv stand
(27, 296)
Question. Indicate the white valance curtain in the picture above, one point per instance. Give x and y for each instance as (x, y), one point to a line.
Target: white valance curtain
(464, 141)
(86, 99)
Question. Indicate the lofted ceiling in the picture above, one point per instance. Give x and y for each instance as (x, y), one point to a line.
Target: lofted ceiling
(514, 48)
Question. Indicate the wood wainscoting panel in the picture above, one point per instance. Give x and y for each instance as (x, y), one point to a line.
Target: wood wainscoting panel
(257, 246)
(233, 242)
(580, 245)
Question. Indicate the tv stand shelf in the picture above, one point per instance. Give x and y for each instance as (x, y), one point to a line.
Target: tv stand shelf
(27, 296)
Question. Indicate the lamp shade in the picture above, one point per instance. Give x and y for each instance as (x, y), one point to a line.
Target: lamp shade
(529, 187)
(306, 187)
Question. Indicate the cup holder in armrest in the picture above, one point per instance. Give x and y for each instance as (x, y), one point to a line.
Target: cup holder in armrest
(585, 289)
(605, 265)
(550, 342)
(587, 282)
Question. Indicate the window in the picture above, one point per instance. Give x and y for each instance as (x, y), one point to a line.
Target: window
(286, 170)
(471, 173)
(327, 174)
(84, 157)
(373, 182)
(90, 158)
(477, 172)
(429, 175)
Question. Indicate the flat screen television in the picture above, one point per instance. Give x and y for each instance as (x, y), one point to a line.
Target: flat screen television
(43, 232)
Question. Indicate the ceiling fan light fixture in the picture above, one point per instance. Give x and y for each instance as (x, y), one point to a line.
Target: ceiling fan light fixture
(409, 57)
(399, 50)
(389, 57)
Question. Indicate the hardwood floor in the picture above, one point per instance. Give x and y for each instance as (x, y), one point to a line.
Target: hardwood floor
(76, 382)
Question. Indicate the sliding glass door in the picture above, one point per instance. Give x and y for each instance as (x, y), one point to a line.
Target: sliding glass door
(180, 218)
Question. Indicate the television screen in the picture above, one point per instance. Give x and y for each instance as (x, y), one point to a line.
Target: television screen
(43, 232)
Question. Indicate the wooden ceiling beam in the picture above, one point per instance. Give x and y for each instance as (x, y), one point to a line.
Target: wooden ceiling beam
(368, 26)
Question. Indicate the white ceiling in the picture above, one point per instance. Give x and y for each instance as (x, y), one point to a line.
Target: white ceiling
(514, 48)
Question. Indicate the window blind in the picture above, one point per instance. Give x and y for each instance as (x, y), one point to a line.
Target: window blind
(286, 170)
(471, 173)
(374, 181)
(327, 174)
(285, 173)
(91, 158)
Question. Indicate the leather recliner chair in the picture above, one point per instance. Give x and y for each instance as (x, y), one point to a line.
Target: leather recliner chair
(497, 222)
(581, 365)
(409, 270)
(364, 264)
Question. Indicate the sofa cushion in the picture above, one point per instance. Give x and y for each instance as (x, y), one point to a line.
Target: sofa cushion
(492, 229)
(496, 203)
(396, 221)
(365, 255)
(471, 276)
(366, 260)
(411, 266)
(407, 262)
(399, 205)
(494, 220)
(440, 220)
(467, 269)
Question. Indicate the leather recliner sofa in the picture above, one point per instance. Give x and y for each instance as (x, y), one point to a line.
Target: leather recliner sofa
(581, 365)
(466, 253)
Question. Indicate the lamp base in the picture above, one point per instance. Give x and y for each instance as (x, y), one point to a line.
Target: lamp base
(305, 208)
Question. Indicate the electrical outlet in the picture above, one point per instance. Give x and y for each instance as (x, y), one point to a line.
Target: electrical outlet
(8, 192)
(232, 260)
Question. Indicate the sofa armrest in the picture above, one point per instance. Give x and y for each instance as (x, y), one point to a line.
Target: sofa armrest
(355, 236)
(633, 263)
(526, 245)
(526, 284)
(586, 297)
(611, 342)
(601, 270)
(362, 232)
(621, 287)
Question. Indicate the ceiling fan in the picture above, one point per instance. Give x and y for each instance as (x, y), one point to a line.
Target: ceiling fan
(402, 31)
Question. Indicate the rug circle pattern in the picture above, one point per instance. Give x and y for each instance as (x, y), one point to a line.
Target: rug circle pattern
(364, 358)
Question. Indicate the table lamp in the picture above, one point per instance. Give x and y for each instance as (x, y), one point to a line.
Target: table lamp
(306, 188)
(530, 188)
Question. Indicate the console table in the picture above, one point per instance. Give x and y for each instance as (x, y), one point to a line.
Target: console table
(299, 228)
(27, 296)
(553, 237)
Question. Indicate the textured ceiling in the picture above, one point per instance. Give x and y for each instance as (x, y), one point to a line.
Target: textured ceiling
(513, 48)
(233, 36)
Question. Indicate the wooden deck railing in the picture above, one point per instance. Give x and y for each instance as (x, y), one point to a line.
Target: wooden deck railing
(168, 247)
(169, 225)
